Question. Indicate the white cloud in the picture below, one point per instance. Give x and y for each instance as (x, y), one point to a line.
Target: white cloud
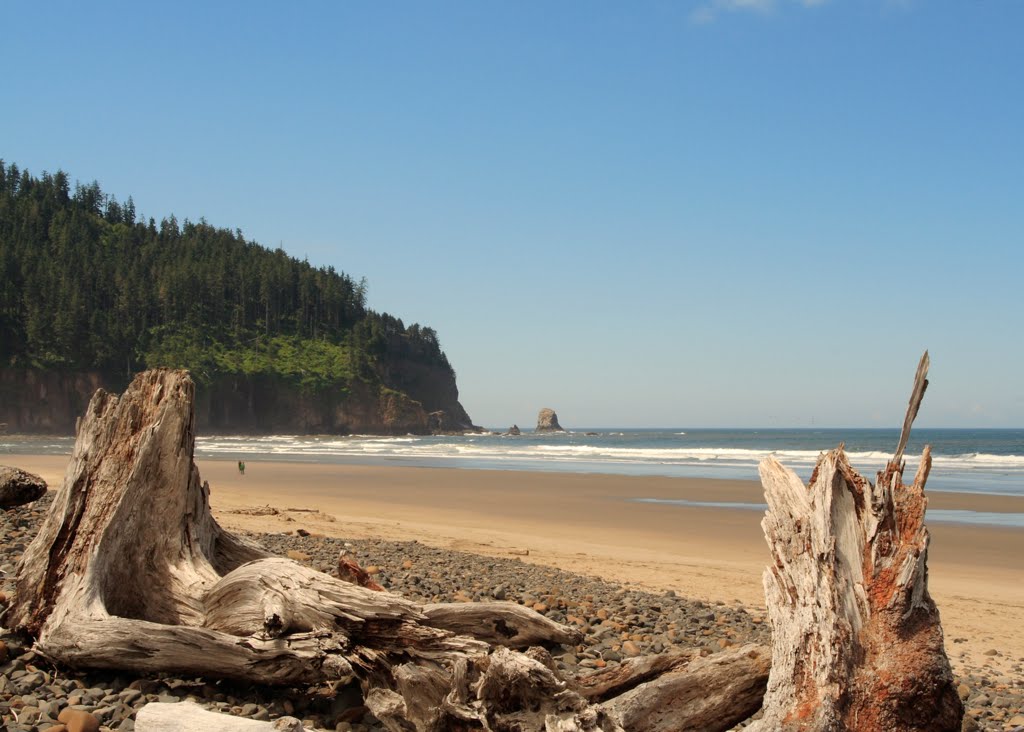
(709, 11)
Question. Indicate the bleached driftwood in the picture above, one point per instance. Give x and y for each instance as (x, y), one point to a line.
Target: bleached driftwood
(130, 571)
(501, 623)
(631, 672)
(190, 717)
(710, 692)
(18, 487)
(857, 643)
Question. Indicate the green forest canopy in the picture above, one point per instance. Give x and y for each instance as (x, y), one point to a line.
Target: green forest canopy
(84, 286)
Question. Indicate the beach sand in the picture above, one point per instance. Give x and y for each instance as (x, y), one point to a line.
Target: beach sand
(587, 524)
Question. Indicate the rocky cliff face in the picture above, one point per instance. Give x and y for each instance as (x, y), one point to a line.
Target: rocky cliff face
(45, 402)
(432, 385)
(50, 403)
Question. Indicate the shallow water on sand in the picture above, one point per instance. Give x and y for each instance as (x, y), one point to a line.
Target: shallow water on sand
(966, 460)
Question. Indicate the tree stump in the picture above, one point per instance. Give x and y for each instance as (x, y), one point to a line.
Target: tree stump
(130, 571)
(857, 644)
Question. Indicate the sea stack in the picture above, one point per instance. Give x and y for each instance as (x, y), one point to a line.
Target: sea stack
(547, 421)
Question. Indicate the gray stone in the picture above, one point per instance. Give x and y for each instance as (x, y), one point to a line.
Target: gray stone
(969, 724)
(50, 708)
(103, 714)
(95, 694)
(130, 696)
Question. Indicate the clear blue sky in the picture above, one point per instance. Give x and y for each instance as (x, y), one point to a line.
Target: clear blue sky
(709, 213)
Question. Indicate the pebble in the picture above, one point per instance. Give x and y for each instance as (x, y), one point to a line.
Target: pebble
(77, 720)
(631, 649)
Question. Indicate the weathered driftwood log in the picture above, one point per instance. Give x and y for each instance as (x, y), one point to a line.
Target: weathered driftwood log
(857, 643)
(614, 680)
(130, 571)
(500, 623)
(190, 717)
(710, 692)
(18, 487)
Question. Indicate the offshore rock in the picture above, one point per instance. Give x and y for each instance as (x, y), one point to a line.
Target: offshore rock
(18, 487)
(547, 421)
(514, 430)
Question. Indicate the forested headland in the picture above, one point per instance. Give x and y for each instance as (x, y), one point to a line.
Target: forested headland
(91, 294)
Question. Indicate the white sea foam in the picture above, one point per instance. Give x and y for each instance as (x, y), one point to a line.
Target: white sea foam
(621, 452)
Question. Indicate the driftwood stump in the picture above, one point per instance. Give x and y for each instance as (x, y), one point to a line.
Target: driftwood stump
(857, 644)
(130, 571)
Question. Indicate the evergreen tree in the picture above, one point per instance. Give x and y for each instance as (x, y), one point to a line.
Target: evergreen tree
(84, 286)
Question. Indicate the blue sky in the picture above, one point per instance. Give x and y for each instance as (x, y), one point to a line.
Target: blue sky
(720, 213)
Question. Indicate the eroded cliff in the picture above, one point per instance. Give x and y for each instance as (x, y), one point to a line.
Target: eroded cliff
(49, 402)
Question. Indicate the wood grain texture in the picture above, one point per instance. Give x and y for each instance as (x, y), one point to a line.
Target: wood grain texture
(857, 641)
(190, 717)
(130, 571)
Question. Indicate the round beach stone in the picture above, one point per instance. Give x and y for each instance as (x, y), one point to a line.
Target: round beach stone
(631, 648)
(79, 721)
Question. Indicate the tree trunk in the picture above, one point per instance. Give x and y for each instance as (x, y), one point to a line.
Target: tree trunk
(130, 571)
(857, 643)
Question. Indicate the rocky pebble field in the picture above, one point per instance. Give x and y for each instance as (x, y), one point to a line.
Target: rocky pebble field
(619, 622)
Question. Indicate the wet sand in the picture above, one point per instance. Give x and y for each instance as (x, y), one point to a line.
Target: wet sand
(588, 524)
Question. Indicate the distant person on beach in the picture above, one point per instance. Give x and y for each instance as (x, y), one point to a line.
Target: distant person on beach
(241, 467)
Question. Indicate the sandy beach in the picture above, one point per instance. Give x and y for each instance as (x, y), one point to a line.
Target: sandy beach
(588, 524)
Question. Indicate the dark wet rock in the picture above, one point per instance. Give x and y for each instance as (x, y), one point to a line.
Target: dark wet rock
(18, 487)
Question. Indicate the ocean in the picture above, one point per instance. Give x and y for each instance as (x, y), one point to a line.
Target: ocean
(989, 461)
(968, 460)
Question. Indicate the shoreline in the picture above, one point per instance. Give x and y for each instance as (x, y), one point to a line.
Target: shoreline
(586, 524)
(964, 463)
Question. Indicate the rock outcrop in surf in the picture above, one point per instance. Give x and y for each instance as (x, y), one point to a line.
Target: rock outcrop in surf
(547, 421)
